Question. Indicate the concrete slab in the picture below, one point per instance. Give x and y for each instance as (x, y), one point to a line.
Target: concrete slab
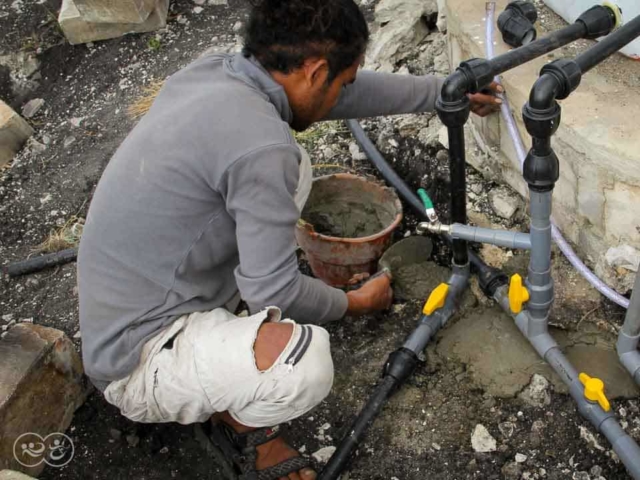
(501, 361)
(597, 143)
(78, 30)
(14, 132)
(115, 11)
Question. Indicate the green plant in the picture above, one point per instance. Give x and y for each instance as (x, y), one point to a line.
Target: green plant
(154, 43)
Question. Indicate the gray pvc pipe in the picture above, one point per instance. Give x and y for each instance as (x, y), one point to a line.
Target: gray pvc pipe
(430, 325)
(632, 321)
(535, 331)
(500, 238)
(623, 445)
(629, 355)
(539, 281)
(629, 336)
(535, 327)
(505, 110)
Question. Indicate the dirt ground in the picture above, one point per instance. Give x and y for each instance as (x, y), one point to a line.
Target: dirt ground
(425, 431)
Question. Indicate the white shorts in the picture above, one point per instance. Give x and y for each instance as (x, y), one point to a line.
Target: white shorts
(204, 363)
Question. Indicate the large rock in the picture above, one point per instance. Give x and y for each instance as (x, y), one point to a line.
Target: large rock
(14, 132)
(619, 267)
(597, 143)
(41, 385)
(24, 74)
(115, 11)
(402, 28)
(78, 30)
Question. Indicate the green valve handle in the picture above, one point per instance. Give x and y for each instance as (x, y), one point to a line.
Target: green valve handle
(428, 205)
(424, 196)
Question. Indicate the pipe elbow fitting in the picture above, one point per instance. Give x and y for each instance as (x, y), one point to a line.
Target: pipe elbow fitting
(544, 92)
(455, 87)
(453, 106)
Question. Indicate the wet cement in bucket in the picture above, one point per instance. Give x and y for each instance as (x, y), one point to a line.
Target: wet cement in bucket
(349, 219)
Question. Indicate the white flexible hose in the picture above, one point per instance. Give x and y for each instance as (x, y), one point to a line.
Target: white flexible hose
(564, 246)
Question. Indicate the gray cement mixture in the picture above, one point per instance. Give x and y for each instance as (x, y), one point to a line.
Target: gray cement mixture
(336, 218)
(416, 281)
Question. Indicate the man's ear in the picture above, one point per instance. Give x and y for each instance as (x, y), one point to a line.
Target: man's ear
(316, 71)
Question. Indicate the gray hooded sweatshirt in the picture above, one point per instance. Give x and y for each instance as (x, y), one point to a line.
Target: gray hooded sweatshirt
(198, 203)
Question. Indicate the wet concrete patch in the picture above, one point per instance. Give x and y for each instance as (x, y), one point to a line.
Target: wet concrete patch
(501, 361)
(414, 276)
(416, 281)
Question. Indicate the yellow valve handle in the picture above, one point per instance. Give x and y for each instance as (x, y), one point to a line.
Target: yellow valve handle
(594, 391)
(518, 294)
(436, 299)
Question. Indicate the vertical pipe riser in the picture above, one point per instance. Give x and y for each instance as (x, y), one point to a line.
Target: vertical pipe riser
(457, 171)
(631, 325)
(539, 281)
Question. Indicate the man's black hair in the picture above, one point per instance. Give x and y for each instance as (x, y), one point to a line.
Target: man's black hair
(282, 34)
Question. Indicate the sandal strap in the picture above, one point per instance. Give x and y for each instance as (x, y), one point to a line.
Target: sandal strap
(280, 470)
(250, 440)
(241, 448)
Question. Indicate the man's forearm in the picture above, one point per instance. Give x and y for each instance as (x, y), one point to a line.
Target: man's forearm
(312, 301)
(375, 94)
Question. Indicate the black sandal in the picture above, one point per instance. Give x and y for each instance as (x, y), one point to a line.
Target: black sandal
(225, 444)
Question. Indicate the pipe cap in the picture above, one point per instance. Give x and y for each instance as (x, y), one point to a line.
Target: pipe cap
(594, 391)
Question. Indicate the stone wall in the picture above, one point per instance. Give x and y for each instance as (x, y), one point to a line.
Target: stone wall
(597, 199)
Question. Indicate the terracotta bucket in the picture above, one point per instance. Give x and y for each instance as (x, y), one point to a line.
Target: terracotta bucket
(346, 226)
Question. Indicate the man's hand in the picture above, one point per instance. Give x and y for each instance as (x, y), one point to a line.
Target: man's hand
(485, 102)
(373, 296)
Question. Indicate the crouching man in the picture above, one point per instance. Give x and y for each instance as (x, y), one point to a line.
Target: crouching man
(197, 209)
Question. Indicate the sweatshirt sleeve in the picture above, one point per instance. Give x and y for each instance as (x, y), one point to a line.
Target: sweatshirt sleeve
(376, 94)
(259, 190)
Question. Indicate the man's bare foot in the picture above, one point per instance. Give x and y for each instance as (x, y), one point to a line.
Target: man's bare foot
(277, 451)
(271, 453)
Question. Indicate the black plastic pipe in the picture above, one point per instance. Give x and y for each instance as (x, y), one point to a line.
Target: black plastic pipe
(544, 92)
(358, 429)
(460, 83)
(402, 362)
(457, 169)
(387, 172)
(609, 45)
(546, 44)
(475, 74)
(36, 264)
(390, 175)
